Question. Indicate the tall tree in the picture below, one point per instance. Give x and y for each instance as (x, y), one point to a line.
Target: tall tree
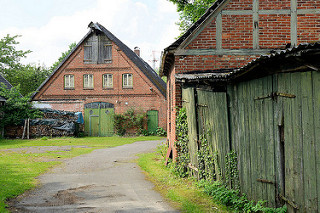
(190, 11)
(63, 55)
(9, 56)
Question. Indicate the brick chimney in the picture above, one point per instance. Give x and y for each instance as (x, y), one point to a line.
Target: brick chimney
(137, 51)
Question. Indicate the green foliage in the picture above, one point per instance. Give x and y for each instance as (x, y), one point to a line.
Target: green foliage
(17, 107)
(130, 120)
(206, 161)
(29, 77)
(9, 56)
(62, 57)
(161, 132)
(233, 199)
(232, 172)
(183, 158)
(190, 11)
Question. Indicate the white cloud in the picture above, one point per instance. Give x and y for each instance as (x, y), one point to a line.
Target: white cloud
(136, 23)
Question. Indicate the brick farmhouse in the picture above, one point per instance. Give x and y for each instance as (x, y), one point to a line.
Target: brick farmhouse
(102, 75)
(231, 34)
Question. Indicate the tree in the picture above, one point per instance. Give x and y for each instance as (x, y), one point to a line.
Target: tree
(29, 77)
(190, 11)
(9, 56)
(62, 57)
(16, 108)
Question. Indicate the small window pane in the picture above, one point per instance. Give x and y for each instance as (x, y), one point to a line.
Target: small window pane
(68, 81)
(127, 81)
(88, 81)
(108, 81)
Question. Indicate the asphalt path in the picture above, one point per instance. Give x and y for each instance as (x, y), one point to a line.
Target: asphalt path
(106, 180)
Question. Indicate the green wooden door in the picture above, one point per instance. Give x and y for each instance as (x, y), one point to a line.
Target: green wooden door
(99, 119)
(152, 120)
(189, 102)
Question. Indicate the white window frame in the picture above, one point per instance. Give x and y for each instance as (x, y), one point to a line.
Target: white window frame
(69, 82)
(127, 80)
(107, 81)
(88, 81)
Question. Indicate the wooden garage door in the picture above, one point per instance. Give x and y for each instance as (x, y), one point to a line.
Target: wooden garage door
(99, 119)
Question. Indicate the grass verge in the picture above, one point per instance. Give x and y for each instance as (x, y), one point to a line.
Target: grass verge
(181, 192)
(19, 168)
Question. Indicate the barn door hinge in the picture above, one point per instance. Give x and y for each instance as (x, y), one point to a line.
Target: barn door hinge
(276, 94)
(202, 105)
(185, 101)
(265, 181)
(291, 203)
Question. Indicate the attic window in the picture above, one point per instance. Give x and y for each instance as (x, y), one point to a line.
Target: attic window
(97, 50)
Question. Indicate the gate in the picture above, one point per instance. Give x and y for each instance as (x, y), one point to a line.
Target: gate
(99, 119)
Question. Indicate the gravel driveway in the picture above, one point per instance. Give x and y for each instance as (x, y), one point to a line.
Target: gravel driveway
(106, 180)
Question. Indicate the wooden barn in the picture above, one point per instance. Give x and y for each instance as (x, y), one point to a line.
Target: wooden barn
(268, 112)
(232, 33)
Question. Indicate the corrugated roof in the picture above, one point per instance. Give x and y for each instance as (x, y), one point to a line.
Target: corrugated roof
(275, 58)
(138, 61)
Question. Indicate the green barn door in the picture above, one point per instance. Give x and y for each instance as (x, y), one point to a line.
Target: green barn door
(99, 119)
(152, 120)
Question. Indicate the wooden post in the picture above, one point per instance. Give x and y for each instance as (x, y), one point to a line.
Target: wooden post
(28, 129)
(24, 129)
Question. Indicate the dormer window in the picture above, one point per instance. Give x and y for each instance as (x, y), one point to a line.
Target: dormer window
(97, 50)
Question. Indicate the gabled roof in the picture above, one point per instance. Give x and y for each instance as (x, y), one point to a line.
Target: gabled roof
(9, 86)
(166, 58)
(3, 80)
(137, 60)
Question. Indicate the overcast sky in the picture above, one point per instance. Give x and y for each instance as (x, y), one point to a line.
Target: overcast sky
(48, 27)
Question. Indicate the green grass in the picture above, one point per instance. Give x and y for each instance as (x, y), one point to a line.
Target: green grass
(183, 193)
(19, 169)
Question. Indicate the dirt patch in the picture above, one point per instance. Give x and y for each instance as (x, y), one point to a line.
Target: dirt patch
(66, 197)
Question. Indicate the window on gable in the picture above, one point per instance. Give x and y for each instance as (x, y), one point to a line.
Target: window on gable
(69, 82)
(127, 81)
(97, 50)
(88, 81)
(107, 81)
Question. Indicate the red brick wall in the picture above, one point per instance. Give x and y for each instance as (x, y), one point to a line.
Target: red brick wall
(274, 5)
(239, 4)
(237, 31)
(206, 39)
(274, 31)
(144, 95)
(210, 62)
(308, 28)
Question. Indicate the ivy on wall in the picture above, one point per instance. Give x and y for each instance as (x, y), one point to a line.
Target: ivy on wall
(183, 158)
(131, 119)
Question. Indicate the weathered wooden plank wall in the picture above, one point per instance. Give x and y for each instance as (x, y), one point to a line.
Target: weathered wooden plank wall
(273, 124)
(253, 137)
(188, 98)
(212, 119)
